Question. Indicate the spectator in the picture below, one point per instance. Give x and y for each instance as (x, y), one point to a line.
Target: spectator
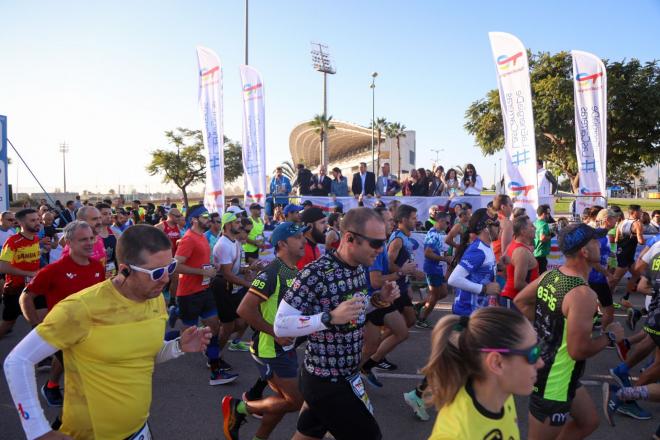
(278, 215)
(280, 188)
(420, 185)
(437, 185)
(69, 214)
(303, 181)
(647, 227)
(547, 182)
(471, 183)
(321, 183)
(339, 184)
(7, 226)
(543, 236)
(77, 204)
(364, 182)
(655, 220)
(451, 182)
(384, 185)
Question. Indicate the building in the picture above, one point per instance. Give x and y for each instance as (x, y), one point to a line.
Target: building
(348, 145)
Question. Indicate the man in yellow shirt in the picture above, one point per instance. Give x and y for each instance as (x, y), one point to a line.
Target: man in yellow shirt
(111, 335)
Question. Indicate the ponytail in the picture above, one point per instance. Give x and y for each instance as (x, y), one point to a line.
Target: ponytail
(455, 357)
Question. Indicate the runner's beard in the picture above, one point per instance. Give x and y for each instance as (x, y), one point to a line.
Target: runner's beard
(318, 236)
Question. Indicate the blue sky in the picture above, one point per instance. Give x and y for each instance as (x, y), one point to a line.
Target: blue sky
(111, 77)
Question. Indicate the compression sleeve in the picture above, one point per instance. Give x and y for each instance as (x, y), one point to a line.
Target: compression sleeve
(19, 371)
(458, 279)
(290, 322)
(168, 351)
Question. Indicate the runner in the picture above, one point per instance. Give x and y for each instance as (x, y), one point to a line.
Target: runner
(629, 234)
(599, 275)
(92, 216)
(435, 265)
(292, 213)
(453, 239)
(19, 262)
(171, 227)
(255, 239)
(522, 267)
(543, 236)
(109, 239)
(474, 274)
(110, 352)
(275, 357)
(503, 205)
(55, 282)
(315, 235)
(7, 226)
(194, 297)
(476, 364)
(561, 306)
(333, 234)
(327, 301)
(230, 284)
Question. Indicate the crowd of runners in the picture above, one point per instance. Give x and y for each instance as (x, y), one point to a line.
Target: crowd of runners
(111, 291)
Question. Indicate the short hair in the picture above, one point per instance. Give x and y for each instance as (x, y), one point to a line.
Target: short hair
(333, 219)
(20, 215)
(82, 212)
(634, 208)
(71, 228)
(542, 209)
(137, 201)
(69, 202)
(363, 163)
(518, 212)
(213, 215)
(356, 219)
(501, 200)
(137, 240)
(101, 206)
(655, 212)
(519, 223)
(246, 222)
(403, 211)
(5, 214)
(380, 210)
(442, 216)
(467, 205)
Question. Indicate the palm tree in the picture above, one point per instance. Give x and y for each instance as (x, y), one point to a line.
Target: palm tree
(380, 126)
(322, 124)
(396, 130)
(288, 169)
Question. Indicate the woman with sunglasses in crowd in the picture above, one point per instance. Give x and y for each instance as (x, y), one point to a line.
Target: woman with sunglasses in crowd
(473, 276)
(471, 183)
(476, 365)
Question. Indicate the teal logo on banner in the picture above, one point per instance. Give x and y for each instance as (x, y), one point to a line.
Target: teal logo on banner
(4, 193)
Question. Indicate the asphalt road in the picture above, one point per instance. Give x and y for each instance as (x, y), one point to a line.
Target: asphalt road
(185, 407)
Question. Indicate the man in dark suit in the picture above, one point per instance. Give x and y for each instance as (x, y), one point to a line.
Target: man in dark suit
(303, 181)
(321, 183)
(363, 182)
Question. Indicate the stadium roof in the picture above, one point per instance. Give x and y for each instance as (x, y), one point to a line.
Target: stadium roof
(345, 140)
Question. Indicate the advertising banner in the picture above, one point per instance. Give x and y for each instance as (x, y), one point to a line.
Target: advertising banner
(254, 136)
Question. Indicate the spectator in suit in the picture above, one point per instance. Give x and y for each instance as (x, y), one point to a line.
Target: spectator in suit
(363, 182)
(69, 213)
(303, 181)
(384, 185)
(321, 183)
(339, 185)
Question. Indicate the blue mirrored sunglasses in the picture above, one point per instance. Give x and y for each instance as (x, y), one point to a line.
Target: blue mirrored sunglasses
(157, 273)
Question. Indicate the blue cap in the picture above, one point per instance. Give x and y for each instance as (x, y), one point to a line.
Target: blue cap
(286, 230)
(576, 236)
(292, 208)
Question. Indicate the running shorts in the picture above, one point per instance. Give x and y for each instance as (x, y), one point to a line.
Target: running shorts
(226, 302)
(604, 293)
(435, 280)
(284, 365)
(195, 306)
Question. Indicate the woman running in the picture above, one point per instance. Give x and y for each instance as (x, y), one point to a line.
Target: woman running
(476, 365)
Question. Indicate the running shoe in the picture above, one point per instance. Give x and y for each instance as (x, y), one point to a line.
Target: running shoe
(239, 346)
(417, 405)
(597, 323)
(53, 396)
(245, 399)
(418, 308)
(610, 402)
(231, 418)
(616, 306)
(423, 323)
(622, 379)
(632, 409)
(223, 365)
(44, 364)
(633, 316)
(622, 349)
(221, 377)
(172, 316)
(386, 365)
(372, 379)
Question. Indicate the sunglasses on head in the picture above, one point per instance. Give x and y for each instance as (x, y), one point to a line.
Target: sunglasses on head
(157, 273)
(375, 243)
(532, 354)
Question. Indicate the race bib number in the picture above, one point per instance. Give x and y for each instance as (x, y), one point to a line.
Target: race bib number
(206, 280)
(143, 433)
(358, 388)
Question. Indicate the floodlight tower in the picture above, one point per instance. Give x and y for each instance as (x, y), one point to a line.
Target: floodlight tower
(64, 148)
(322, 63)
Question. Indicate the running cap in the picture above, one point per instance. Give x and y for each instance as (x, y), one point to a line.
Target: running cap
(228, 217)
(256, 206)
(312, 214)
(235, 209)
(292, 208)
(576, 236)
(285, 230)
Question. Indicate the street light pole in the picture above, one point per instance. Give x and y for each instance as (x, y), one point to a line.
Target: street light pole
(246, 32)
(373, 121)
(64, 148)
(437, 156)
(322, 63)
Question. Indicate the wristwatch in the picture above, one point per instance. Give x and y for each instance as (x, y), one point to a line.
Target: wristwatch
(612, 338)
(326, 318)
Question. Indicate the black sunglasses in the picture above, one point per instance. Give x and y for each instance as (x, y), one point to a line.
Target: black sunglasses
(532, 354)
(375, 243)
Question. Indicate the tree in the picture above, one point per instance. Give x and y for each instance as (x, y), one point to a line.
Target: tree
(380, 126)
(322, 125)
(187, 165)
(397, 130)
(633, 135)
(111, 191)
